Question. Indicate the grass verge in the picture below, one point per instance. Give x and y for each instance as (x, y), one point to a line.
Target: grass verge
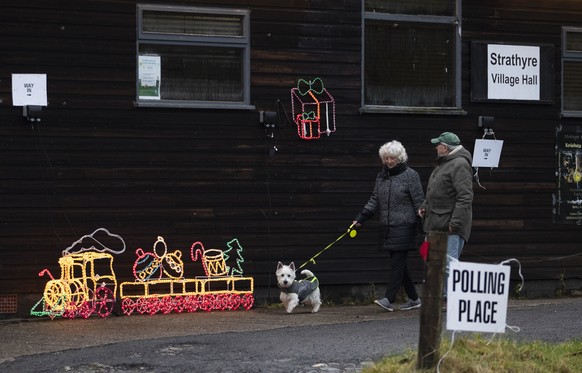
(478, 355)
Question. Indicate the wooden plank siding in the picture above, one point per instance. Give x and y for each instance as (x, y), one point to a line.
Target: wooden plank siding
(97, 160)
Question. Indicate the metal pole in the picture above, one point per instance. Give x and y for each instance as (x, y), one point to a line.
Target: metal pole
(432, 301)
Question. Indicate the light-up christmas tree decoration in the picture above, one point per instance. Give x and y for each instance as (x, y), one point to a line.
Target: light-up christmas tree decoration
(235, 245)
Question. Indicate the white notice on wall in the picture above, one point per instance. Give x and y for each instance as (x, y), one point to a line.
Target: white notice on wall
(513, 72)
(487, 153)
(477, 297)
(149, 77)
(29, 89)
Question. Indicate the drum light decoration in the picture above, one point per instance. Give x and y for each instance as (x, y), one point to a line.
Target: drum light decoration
(313, 109)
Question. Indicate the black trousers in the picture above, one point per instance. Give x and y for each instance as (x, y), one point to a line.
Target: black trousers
(399, 276)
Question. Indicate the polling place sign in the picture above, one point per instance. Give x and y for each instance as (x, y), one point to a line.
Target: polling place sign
(477, 297)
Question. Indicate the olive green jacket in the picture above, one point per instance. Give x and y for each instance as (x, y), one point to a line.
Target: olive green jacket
(449, 195)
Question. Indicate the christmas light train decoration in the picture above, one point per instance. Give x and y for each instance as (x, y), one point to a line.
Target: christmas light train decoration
(88, 284)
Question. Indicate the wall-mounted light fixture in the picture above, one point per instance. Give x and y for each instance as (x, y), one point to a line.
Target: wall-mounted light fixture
(32, 113)
(268, 118)
(487, 124)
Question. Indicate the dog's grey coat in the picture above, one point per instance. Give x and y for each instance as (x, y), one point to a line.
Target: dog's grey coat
(303, 288)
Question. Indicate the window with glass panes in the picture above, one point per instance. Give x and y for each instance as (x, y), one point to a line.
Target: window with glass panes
(204, 55)
(411, 54)
(572, 71)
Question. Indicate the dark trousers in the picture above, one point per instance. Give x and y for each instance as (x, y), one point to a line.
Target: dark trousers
(399, 275)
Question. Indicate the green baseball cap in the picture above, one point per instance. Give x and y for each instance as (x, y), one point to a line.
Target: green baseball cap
(448, 138)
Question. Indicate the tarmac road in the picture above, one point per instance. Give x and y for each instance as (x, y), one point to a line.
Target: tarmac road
(337, 339)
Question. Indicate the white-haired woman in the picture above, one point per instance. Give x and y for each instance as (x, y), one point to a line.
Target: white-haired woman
(397, 195)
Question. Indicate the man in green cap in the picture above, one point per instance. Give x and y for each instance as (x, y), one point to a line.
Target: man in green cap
(449, 195)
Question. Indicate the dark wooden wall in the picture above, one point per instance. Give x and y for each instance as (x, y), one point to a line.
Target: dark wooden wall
(96, 160)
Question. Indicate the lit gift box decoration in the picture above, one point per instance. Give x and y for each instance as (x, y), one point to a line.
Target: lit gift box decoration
(313, 109)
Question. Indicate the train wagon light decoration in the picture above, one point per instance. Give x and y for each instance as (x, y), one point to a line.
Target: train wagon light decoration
(88, 285)
(216, 290)
(313, 109)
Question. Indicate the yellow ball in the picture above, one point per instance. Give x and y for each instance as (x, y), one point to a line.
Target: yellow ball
(353, 233)
(577, 177)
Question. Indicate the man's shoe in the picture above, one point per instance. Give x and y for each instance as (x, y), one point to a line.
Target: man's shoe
(384, 303)
(410, 305)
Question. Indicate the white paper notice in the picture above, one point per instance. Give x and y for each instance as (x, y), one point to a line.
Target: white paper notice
(487, 153)
(149, 77)
(29, 89)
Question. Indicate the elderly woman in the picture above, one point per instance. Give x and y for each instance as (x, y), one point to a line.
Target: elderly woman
(397, 196)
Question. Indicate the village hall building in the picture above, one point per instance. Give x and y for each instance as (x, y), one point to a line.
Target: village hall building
(261, 120)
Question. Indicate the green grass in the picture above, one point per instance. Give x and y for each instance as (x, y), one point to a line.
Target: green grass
(478, 355)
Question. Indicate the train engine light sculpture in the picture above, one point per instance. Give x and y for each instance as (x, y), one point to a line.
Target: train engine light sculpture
(87, 286)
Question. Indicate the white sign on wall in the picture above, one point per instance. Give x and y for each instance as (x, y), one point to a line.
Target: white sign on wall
(29, 89)
(513, 72)
(150, 74)
(487, 153)
(477, 297)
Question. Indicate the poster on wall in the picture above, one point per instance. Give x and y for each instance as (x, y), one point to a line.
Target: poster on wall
(149, 77)
(568, 196)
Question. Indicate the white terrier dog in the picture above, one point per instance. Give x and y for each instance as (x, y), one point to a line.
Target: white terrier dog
(293, 292)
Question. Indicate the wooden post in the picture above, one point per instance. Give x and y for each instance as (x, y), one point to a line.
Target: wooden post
(432, 301)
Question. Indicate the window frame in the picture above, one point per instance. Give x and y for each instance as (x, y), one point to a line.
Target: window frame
(242, 42)
(568, 56)
(434, 19)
